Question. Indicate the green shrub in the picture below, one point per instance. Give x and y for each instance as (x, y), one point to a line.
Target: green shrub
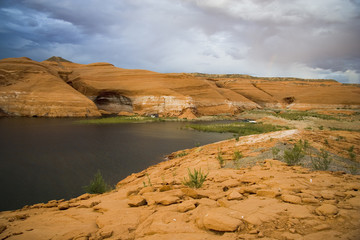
(240, 129)
(220, 159)
(97, 185)
(322, 161)
(195, 179)
(149, 181)
(182, 154)
(351, 153)
(275, 152)
(301, 115)
(293, 156)
(237, 156)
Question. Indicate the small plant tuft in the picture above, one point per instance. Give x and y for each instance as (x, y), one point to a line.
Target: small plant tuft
(97, 185)
(293, 156)
(237, 156)
(149, 184)
(322, 161)
(220, 158)
(182, 154)
(352, 155)
(195, 179)
(275, 152)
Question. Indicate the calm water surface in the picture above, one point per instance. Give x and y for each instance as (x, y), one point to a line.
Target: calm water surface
(45, 159)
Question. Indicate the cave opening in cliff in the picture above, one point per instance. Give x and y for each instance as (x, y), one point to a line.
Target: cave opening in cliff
(113, 102)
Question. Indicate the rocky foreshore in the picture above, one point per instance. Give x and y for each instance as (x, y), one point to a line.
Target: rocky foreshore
(268, 200)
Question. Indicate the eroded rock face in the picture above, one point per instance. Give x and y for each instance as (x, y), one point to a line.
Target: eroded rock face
(57, 87)
(29, 88)
(113, 102)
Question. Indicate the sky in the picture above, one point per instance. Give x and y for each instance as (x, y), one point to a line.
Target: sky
(268, 38)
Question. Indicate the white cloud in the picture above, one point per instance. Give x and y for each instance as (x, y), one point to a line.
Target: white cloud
(316, 39)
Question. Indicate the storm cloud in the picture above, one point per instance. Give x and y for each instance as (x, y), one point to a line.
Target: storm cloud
(300, 38)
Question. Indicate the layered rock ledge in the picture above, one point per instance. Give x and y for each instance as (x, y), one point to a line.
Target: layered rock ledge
(60, 88)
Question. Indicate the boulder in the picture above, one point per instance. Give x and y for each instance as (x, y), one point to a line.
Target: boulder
(163, 198)
(326, 210)
(219, 220)
(234, 195)
(63, 206)
(268, 193)
(186, 206)
(136, 201)
(190, 193)
(291, 198)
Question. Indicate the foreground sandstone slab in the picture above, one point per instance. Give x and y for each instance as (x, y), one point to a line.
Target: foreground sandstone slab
(264, 201)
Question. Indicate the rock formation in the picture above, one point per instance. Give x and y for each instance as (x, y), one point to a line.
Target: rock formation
(57, 87)
(29, 88)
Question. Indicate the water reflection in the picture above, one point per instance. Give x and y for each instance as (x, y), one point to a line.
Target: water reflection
(45, 159)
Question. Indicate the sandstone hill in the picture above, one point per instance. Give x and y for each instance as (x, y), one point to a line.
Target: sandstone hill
(57, 88)
(269, 200)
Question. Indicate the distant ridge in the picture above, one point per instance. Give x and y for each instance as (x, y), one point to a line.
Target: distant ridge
(57, 59)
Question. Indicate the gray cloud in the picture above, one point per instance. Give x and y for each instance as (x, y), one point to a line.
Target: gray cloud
(316, 39)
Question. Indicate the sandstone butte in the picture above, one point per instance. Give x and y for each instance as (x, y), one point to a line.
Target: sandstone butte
(59, 88)
(267, 201)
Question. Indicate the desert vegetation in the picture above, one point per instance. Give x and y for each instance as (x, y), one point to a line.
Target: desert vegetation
(238, 128)
(195, 179)
(97, 185)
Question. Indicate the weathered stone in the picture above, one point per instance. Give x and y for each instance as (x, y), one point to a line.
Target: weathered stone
(326, 210)
(165, 188)
(186, 206)
(326, 194)
(106, 234)
(234, 195)
(291, 198)
(85, 196)
(223, 202)
(2, 228)
(310, 200)
(322, 227)
(230, 183)
(63, 206)
(354, 202)
(268, 193)
(136, 201)
(190, 192)
(220, 221)
(163, 198)
(146, 190)
(50, 204)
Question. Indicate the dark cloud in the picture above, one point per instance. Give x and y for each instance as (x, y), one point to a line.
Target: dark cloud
(317, 39)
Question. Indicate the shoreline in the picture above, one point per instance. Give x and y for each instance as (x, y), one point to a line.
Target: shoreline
(302, 202)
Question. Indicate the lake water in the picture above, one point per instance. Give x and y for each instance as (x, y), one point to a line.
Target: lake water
(45, 159)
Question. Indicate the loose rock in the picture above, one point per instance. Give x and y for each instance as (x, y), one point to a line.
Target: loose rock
(326, 210)
(291, 199)
(136, 201)
(220, 221)
(268, 193)
(63, 206)
(186, 206)
(234, 195)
